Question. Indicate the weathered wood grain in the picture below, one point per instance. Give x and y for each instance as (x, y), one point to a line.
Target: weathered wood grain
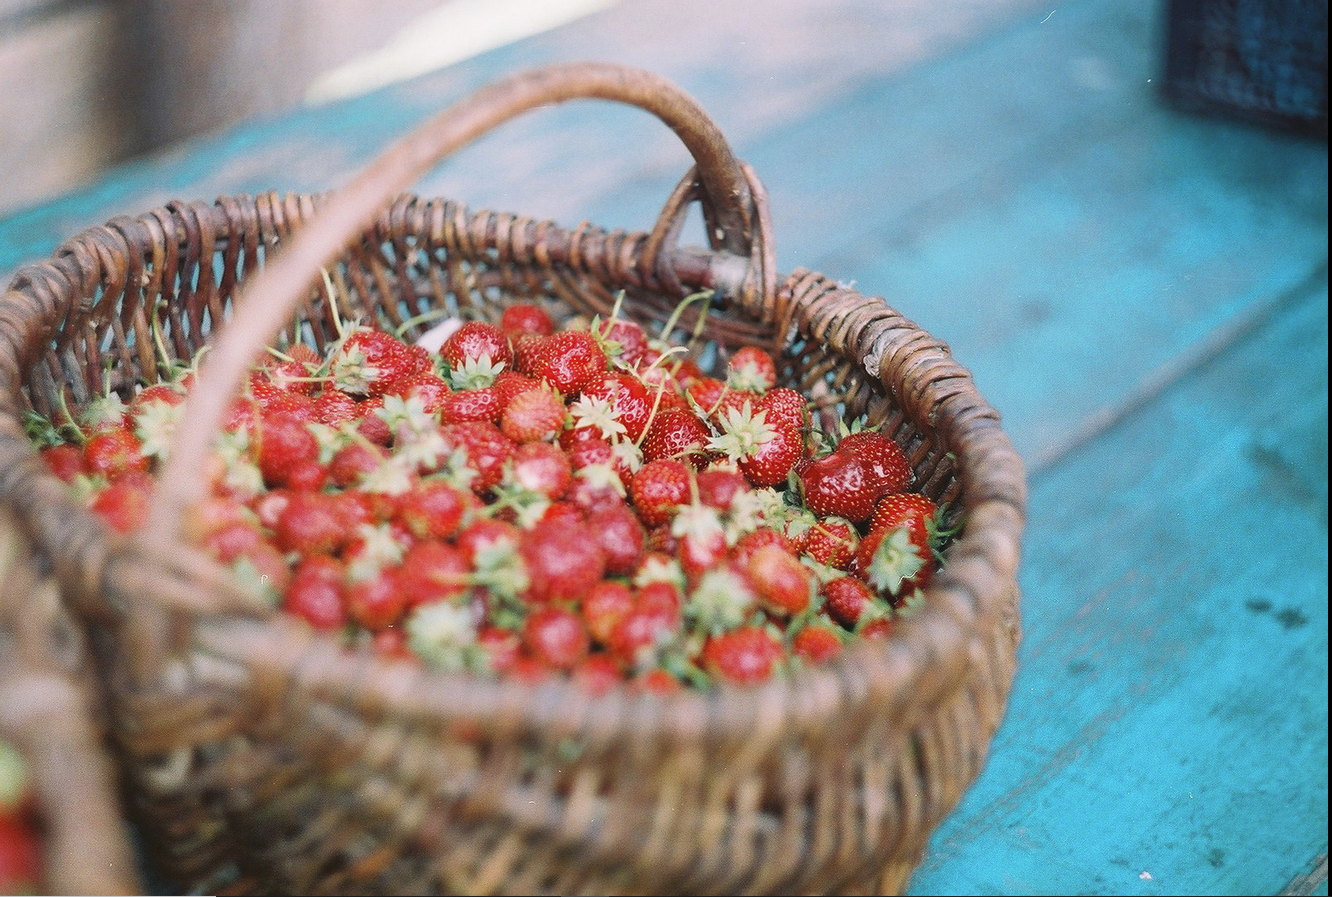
(1169, 715)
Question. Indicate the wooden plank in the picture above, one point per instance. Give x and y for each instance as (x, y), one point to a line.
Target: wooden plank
(1167, 732)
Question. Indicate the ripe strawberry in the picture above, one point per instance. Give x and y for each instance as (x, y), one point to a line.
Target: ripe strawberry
(620, 535)
(370, 423)
(432, 508)
(377, 601)
(745, 656)
(476, 341)
(636, 638)
(433, 571)
(311, 523)
(896, 556)
(562, 564)
(839, 485)
(367, 362)
(542, 468)
(482, 404)
(884, 459)
(785, 404)
(832, 542)
(568, 360)
(486, 449)
(113, 451)
(509, 384)
(526, 317)
(702, 538)
(707, 393)
(718, 486)
(20, 855)
(64, 460)
(659, 489)
(315, 593)
(629, 339)
(430, 388)
(604, 605)
(533, 416)
(557, 637)
(596, 674)
(848, 600)
(677, 433)
(627, 401)
(285, 443)
(784, 585)
(747, 545)
(335, 408)
(123, 504)
(354, 462)
(816, 643)
(751, 368)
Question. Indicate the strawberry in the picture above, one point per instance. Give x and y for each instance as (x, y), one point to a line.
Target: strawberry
(848, 600)
(367, 362)
(20, 855)
(113, 451)
(771, 461)
(839, 485)
(525, 317)
(486, 450)
(335, 408)
(702, 538)
(596, 674)
(718, 486)
(627, 401)
(707, 394)
(751, 368)
(311, 523)
(315, 593)
(432, 509)
(64, 460)
(659, 489)
(354, 462)
(884, 459)
(427, 386)
(568, 360)
(604, 605)
(370, 423)
(562, 564)
(536, 415)
(476, 341)
(285, 443)
(832, 542)
(620, 535)
(745, 656)
(816, 643)
(482, 404)
(677, 433)
(557, 637)
(377, 600)
(629, 338)
(433, 571)
(123, 504)
(784, 585)
(542, 468)
(897, 555)
(747, 545)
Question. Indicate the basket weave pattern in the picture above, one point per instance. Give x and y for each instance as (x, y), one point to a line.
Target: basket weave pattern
(264, 758)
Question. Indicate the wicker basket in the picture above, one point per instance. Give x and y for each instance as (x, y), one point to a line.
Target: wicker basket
(265, 758)
(47, 711)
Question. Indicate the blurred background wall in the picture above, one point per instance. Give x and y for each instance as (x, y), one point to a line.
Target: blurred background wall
(88, 83)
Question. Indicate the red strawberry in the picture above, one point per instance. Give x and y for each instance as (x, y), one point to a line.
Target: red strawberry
(832, 542)
(751, 368)
(884, 459)
(335, 408)
(718, 486)
(470, 405)
(20, 855)
(562, 564)
(568, 360)
(285, 443)
(311, 523)
(627, 399)
(487, 451)
(784, 585)
(123, 504)
(597, 674)
(605, 604)
(816, 643)
(370, 423)
(896, 556)
(839, 485)
(533, 416)
(526, 317)
(427, 387)
(659, 489)
(557, 637)
(542, 468)
(707, 393)
(354, 461)
(65, 461)
(367, 362)
(315, 593)
(621, 536)
(751, 542)
(785, 404)
(433, 571)
(432, 509)
(376, 601)
(745, 656)
(113, 451)
(629, 338)
(702, 538)
(677, 433)
(476, 341)
(848, 600)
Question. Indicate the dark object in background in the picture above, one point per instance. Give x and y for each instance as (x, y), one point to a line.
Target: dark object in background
(1261, 60)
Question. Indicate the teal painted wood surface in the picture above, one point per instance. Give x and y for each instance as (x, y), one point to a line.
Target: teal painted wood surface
(1141, 293)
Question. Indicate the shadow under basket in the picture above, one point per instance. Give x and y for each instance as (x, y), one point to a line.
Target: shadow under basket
(263, 757)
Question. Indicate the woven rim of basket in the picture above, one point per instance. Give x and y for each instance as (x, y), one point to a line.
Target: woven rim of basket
(922, 663)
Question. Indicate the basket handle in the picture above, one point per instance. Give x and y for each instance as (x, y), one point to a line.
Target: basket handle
(738, 226)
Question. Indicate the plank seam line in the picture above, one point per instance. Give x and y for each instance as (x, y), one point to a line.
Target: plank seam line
(1167, 375)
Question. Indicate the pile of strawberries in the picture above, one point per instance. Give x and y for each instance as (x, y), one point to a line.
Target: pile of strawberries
(514, 499)
(20, 847)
